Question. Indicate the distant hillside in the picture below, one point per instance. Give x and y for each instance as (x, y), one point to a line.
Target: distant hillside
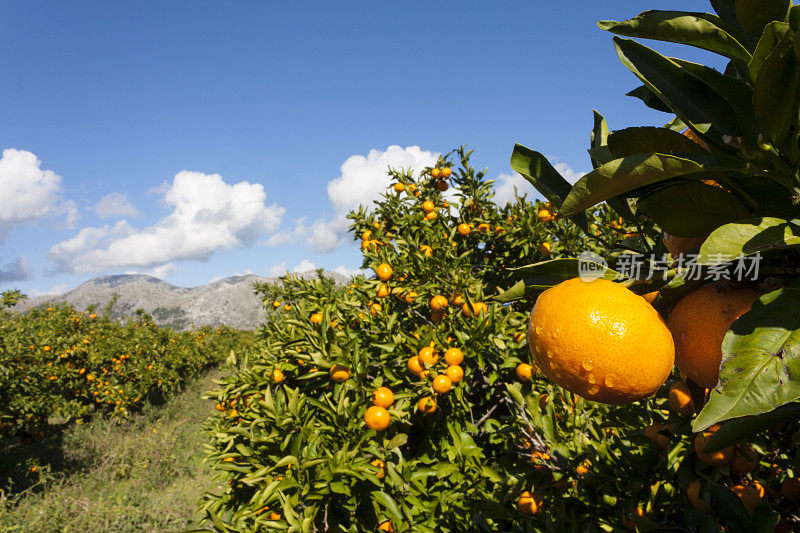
(229, 301)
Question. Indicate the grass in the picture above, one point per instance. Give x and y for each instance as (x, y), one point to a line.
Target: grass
(142, 475)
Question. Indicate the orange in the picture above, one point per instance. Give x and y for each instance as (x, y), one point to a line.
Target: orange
(386, 525)
(438, 302)
(677, 246)
(427, 405)
(316, 318)
(600, 341)
(431, 215)
(274, 516)
(453, 356)
(455, 373)
(545, 248)
(287, 307)
(383, 271)
(383, 291)
(446, 172)
(414, 365)
(719, 458)
(544, 215)
(679, 399)
(412, 187)
(428, 206)
(442, 186)
(745, 460)
(426, 250)
(484, 227)
(751, 495)
(519, 336)
(790, 489)
(477, 308)
(436, 172)
(382, 397)
(399, 187)
(696, 498)
(276, 304)
(381, 466)
(339, 373)
(377, 418)
(442, 384)
(698, 323)
(464, 228)
(524, 371)
(367, 235)
(529, 504)
(428, 355)
(650, 297)
(583, 468)
(410, 297)
(277, 376)
(375, 309)
(654, 433)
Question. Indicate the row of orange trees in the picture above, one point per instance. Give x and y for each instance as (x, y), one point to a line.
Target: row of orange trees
(60, 365)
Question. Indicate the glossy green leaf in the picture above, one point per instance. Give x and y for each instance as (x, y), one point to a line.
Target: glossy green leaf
(726, 9)
(773, 33)
(753, 15)
(742, 429)
(649, 99)
(747, 237)
(650, 139)
(776, 93)
(692, 209)
(541, 276)
(760, 356)
(702, 30)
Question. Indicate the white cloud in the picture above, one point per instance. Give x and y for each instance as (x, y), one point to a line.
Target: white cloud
(278, 270)
(54, 291)
(17, 269)
(160, 272)
(208, 215)
(115, 205)
(569, 174)
(28, 193)
(281, 269)
(247, 272)
(506, 183)
(362, 179)
(349, 272)
(304, 266)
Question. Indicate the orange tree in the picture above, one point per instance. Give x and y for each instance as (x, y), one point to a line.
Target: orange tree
(713, 196)
(382, 403)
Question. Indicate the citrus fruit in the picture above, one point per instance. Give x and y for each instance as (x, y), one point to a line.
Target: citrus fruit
(529, 503)
(383, 291)
(382, 397)
(545, 248)
(455, 373)
(316, 318)
(601, 341)
(524, 371)
(428, 356)
(476, 309)
(438, 302)
(679, 399)
(427, 405)
(414, 365)
(464, 229)
(277, 376)
(381, 466)
(377, 418)
(677, 246)
(693, 493)
(751, 495)
(544, 215)
(442, 384)
(745, 460)
(453, 356)
(386, 525)
(718, 458)
(698, 323)
(375, 309)
(383, 271)
(436, 172)
(399, 187)
(446, 172)
(428, 206)
(339, 373)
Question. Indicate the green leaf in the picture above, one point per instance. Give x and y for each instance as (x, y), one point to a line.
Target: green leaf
(649, 99)
(760, 354)
(541, 276)
(742, 429)
(599, 137)
(702, 30)
(691, 99)
(398, 440)
(773, 33)
(628, 173)
(747, 237)
(726, 9)
(388, 503)
(753, 15)
(692, 209)
(776, 92)
(650, 139)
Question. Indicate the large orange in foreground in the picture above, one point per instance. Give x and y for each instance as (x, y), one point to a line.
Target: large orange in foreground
(698, 323)
(601, 341)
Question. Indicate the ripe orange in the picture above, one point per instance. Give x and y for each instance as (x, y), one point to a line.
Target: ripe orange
(529, 503)
(277, 376)
(436, 172)
(383, 271)
(455, 373)
(412, 187)
(650, 297)
(677, 246)
(386, 525)
(367, 235)
(399, 187)
(287, 307)
(600, 341)
(339, 373)
(410, 297)
(453, 356)
(654, 433)
(377, 418)
(484, 227)
(384, 291)
(745, 460)
(431, 215)
(693, 493)
(679, 399)
(428, 356)
(545, 248)
(438, 302)
(698, 323)
(276, 304)
(428, 206)
(544, 215)
(583, 468)
(274, 516)
(464, 229)
(414, 365)
(751, 495)
(427, 405)
(446, 172)
(524, 371)
(382, 397)
(519, 336)
(316, 318)
(426, 250)
(719, 458)
(375, 309)
(442, 384)
(477, 308)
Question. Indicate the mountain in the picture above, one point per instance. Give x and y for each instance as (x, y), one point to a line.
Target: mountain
(230, 301)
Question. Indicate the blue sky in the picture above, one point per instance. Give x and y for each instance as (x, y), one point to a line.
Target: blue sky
(124, 120)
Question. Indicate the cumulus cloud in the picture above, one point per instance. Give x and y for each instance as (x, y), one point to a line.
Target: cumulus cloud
(29, 193)
(281, 269)
(207, 215)
(569, 174)
(54, 291)
(349, 272)
(160, 272)
(304, 266)
(115, 205)
(361, 180)
(17, 269)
